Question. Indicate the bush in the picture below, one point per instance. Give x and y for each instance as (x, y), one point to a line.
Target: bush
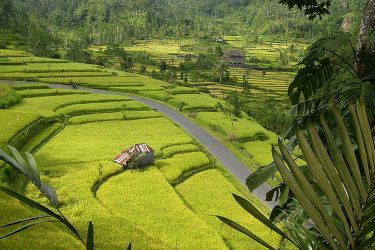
(3, 45)
(142, 69)
(8, 97)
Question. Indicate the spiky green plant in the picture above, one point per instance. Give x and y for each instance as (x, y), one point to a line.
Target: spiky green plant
(337, 197)
(29, 169)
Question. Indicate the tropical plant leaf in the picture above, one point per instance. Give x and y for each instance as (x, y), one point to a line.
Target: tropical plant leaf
(29, 169)
(302, 197)
(41, 208)
(27, 226)
(276, 211)
(310, 79)
(18, 157)
(34, 169)
(8, 159)
(50, 193)
(90, 237)
(129, 246)
(260, 176)
(301, 233)
(349, 154)
(245, 231)
(25, 220)
(333, 178)
(251, 209)
(342, 169)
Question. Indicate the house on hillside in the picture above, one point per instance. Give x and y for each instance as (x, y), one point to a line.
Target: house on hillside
(137, 156)
(234, 58)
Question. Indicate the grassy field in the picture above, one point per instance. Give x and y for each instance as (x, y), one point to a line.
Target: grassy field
(150, 207)
(195, 192)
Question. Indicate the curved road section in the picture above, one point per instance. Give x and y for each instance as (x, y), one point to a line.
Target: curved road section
(221, 153)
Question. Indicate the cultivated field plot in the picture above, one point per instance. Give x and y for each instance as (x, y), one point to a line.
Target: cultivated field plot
(46, 70)
(46, 67)
(153, 207)
(163, 50)
(83, 109)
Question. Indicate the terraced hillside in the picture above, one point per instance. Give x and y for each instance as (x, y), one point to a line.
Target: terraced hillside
(271, 64)
(75, 135)
(186, 99)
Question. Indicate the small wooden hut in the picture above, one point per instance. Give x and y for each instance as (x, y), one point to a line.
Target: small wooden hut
(234, 58)
(137, 156)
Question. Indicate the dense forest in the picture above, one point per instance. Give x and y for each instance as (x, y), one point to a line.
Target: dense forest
(118, 21)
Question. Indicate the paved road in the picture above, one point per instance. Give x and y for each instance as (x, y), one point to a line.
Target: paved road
(221, 153)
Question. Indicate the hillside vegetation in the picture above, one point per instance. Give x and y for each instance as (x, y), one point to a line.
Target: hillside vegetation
(76, 134)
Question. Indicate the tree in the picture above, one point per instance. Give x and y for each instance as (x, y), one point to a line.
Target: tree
(204, 62)
(284, 59)
(163, 66)
(218, 51)
(365, 45)
(127, 63)
(7, 11)
(42, 43)
(228, 112)
(366, 40)
(311, 8)
(292, 49)
(142, 69)
(222, 70)
(76, 51)
(233, 100)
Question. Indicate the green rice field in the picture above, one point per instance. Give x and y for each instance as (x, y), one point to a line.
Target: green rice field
(75, 135)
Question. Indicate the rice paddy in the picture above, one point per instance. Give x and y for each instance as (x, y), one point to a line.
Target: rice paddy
(146, 207)
(162, 207)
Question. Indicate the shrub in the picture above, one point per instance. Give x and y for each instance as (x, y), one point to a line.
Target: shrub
(8, 97)
(3, 45)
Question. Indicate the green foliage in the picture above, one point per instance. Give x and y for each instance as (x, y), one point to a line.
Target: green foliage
(335, 195)
(311, 8)
(8, 97)
(42, 43)
(76, 51)
(233, 100)
(127, 63)
(142, 69)
(163, 66)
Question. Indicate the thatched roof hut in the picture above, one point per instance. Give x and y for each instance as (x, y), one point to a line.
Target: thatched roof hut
(234, 57)
(136, 156)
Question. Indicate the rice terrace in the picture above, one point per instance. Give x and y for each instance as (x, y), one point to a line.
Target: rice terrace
(187, 124)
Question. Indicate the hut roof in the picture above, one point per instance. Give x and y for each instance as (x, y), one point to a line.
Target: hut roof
(129, 153)
(233, 55)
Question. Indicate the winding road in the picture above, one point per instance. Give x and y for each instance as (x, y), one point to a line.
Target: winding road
(218, 150)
